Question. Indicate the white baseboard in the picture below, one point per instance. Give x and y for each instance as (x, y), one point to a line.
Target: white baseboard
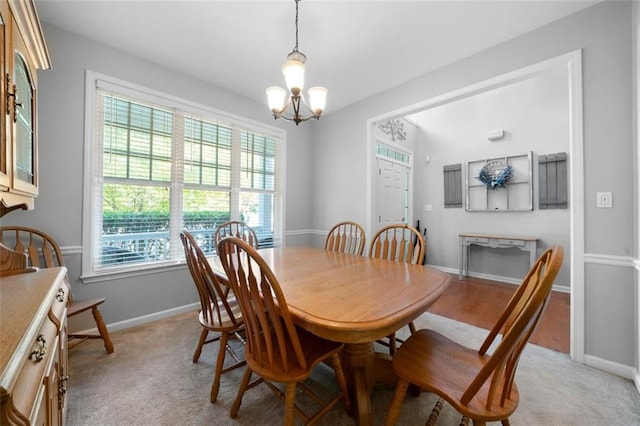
(515, 281)
(621, 370)
(636, 380)
(132, 322)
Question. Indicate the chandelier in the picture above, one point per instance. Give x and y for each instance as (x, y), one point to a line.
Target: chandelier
(293, 70)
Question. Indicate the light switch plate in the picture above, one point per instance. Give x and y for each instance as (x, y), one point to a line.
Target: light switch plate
(604, 200)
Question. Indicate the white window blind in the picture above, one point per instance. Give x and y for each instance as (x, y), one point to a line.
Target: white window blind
(160, 165)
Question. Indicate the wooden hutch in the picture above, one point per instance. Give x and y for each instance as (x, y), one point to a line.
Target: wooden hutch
(23, 53)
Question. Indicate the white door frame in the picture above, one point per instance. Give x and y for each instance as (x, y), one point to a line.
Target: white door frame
(572, 61)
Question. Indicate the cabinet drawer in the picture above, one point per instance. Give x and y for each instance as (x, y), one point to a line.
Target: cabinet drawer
(514, 243)
(478, 240)
(26, 396)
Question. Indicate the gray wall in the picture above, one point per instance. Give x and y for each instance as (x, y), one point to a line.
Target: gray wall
(604, 33)
(534, 114)
(58, 209)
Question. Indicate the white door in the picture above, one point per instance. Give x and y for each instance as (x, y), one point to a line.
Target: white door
(392, 193)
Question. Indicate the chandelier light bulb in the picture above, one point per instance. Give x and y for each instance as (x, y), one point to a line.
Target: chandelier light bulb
(276, 98)
(317, 99)
(294, 76)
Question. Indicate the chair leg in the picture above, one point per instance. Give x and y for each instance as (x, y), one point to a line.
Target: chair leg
(505, 422)
(219, 365)
(342, 382)
(203, 339)
(412, 327)
(241, 389)
(398, 396)
(222, 350)
(289, 404)
(102, 329)
(392, 344)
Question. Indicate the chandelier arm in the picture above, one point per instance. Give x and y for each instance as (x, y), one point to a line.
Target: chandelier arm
(313, 114)
(296, 116)
(299, 119)
(284, 108)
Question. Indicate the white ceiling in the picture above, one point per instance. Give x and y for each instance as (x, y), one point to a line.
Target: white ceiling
(354, 48)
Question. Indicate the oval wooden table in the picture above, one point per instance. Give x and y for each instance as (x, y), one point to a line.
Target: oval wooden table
(355, 300)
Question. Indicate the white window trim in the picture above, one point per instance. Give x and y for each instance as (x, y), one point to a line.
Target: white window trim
(135, 90)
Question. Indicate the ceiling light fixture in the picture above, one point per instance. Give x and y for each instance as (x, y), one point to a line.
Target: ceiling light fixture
(293, 70)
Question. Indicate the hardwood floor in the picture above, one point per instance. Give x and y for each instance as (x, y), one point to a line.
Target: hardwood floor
(479, 302)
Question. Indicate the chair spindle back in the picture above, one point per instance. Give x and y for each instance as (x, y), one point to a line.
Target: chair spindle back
(238, 229)
(42, 250)
(213, 299)
(398, 242)
(346, 237)
(269, 327)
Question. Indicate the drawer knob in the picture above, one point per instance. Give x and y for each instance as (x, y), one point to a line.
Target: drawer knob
(38, 353)
(60, 295)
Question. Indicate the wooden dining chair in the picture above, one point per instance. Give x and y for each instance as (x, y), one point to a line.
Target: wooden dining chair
(276, 349)
(479, 386)
(400, 243)
(238, 229)
(13, 262)
(346, 237)
(43, 252)
(219, 310)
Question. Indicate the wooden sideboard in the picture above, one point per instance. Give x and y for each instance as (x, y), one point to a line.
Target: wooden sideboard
(494, 241)
(33, 348)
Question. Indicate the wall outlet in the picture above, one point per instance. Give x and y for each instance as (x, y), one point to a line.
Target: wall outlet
(428, 207)
(604, 200)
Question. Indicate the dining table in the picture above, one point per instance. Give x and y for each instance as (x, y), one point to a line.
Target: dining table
(355, 300)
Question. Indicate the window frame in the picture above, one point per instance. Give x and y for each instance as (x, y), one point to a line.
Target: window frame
(92, 200)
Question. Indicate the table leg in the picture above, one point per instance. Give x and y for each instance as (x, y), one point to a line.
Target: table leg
(464, 258)
(357, 362)
(532, 254)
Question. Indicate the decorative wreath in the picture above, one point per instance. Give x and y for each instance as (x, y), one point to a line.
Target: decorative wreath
(495, 174)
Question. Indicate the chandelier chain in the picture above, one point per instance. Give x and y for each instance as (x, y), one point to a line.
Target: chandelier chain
(295, 49)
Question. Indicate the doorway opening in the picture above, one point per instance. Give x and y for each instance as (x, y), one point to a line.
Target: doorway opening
(571, 65)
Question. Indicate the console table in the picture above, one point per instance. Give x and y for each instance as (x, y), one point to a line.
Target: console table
(494, 241)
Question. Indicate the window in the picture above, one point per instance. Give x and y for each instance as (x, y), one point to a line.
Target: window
(392, 154)
(157, 165)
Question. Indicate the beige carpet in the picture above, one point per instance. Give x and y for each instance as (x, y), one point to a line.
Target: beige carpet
(150, 380)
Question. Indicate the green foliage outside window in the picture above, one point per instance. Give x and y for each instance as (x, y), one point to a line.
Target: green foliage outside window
(114, 223)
